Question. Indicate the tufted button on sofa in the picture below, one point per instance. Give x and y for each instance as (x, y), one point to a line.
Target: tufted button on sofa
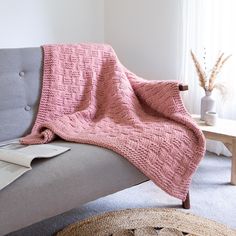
(21, 74)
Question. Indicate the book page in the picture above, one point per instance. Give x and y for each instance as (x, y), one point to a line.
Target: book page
(9, 172)
(43, 150)
(9, 142)
(15, 159)
(23, 155)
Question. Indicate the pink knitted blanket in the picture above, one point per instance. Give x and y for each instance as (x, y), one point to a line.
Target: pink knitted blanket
(88, 96)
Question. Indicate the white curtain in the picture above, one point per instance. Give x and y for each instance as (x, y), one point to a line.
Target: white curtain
(208, 27)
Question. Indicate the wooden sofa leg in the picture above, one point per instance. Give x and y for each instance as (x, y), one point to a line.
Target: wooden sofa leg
(186, 203)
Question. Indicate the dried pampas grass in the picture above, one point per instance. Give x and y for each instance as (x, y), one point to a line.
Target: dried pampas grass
(210, 84)
(201, 73)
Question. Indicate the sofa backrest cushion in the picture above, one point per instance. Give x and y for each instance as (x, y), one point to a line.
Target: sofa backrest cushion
(20, 88)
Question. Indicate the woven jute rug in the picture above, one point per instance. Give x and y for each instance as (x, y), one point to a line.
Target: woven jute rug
(147, 222)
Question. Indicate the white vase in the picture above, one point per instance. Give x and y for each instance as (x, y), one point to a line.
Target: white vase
(207, 104)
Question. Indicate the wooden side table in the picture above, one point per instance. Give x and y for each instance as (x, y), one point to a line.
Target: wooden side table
(224, 131)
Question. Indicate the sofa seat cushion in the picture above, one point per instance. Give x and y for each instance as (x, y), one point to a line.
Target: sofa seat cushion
(55, 185)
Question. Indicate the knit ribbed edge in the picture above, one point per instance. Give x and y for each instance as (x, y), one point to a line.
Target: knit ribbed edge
(45, 88)
(188, 122)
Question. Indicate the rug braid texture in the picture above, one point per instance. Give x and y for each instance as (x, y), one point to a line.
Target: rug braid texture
(147, 222)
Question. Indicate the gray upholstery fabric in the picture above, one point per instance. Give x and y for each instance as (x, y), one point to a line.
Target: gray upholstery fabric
(61, 183)
(53, 186)
(20, 86)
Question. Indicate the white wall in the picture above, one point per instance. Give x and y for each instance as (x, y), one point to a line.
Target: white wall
(27, 23)
(143, 32)
(144, 35)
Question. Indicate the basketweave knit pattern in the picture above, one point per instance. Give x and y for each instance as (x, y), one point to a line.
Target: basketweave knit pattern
(88, 96)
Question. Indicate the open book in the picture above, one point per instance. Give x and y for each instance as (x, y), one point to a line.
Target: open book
(15, 159)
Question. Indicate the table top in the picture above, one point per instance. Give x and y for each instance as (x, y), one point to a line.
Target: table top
(223, 126)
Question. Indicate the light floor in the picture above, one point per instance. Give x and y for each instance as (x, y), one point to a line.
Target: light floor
(211, 196)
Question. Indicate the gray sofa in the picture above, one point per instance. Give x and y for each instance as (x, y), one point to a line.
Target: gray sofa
(59, 184)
